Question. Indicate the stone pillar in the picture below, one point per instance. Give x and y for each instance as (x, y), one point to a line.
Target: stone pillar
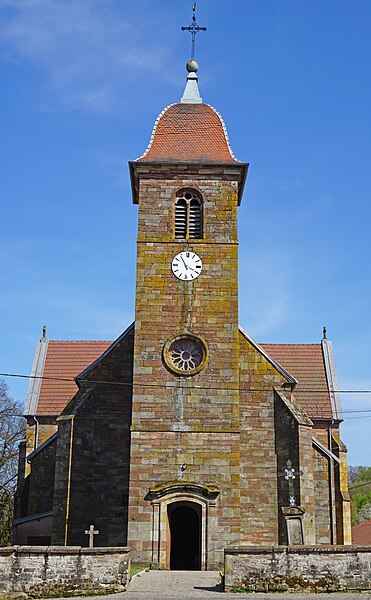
(342, 497)
(306, 482)
(155, 563)
(18, 508)
(63, 469)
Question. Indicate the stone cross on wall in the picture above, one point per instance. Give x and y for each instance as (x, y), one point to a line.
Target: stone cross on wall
(91, 532)
(290, 474)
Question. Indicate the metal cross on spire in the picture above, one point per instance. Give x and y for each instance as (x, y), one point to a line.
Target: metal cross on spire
(193, 28)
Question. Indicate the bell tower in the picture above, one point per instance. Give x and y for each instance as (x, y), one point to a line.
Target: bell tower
(185, 421)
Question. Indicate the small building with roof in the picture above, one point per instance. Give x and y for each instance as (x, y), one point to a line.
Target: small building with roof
(361, 534)
(184, 435)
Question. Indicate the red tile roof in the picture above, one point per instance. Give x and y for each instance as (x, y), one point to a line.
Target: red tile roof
(305, 362)
(361, 534)
(65, 359)
(189, 133)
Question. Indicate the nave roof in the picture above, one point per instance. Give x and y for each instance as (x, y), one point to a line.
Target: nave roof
(58, 362)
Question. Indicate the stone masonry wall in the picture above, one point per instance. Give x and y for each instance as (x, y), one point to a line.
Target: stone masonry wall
(259, 502)
(40, 498)
(298, 569)
(47, 426)
(186, 420)
(307, 499)
(206, 306)
(91, 483)
(343, 502)
(45, 572)
(211, 459)
(321, 498)
(287, 448)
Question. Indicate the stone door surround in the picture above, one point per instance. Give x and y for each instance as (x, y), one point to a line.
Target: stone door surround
(177, 492)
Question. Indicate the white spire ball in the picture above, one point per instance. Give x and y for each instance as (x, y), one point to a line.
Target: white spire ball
(192, 66)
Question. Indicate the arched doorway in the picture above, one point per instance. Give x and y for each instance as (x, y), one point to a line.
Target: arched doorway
(185, 536)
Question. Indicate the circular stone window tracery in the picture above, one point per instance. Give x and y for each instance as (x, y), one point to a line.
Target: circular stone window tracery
(185, 354)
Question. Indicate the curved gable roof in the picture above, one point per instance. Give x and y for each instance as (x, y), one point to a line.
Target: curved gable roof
(189, 133)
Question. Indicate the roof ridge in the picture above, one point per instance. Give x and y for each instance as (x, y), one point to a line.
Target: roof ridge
(292, 344)
(289, 378)
(80, 341)
(112, 345)
(111, 341)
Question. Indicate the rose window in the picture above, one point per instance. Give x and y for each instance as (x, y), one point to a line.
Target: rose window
(185, 354)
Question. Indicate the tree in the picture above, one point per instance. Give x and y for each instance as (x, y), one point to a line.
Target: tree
(353, 473)
(360, 493)
(12, 430)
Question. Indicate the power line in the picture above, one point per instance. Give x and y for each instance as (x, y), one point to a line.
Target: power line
(175, 385)
(360, 417)
(357, 410)
(345, 419)
(353, 487)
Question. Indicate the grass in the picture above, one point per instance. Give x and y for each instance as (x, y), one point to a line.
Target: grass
(137, 568)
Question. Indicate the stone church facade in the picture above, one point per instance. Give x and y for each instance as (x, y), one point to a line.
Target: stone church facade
(175, 438)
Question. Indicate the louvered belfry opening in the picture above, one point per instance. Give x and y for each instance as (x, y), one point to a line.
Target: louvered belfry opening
(188, 215)
(195, 219)
(181, 218)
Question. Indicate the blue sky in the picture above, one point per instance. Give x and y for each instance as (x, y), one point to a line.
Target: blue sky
(82, 83)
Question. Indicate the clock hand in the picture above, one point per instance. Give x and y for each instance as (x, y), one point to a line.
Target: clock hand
(184, 263)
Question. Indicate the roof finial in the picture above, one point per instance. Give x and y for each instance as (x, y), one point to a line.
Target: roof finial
(324, 333)
(191, 93)
(193, 28)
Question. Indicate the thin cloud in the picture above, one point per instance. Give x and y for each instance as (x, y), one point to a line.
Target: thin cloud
(268, 307)
(357, 401)
(357, 419)
(88, 50)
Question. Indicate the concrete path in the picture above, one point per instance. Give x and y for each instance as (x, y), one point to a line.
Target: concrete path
(190, 585)
(175, 584)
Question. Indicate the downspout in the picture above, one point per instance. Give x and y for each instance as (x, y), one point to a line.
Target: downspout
(36, 432)
(331, 483)
(336, 412)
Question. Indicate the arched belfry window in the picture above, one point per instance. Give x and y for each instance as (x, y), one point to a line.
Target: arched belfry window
(188, 215)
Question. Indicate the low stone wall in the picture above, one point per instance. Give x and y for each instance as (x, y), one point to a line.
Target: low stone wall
(52, 571)
(297, 568)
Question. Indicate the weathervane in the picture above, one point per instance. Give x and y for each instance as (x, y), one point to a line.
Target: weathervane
(193, 28)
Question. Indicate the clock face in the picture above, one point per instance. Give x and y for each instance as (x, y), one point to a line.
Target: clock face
(186, 265)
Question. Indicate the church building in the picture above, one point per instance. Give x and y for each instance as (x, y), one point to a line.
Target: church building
(184, 435)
